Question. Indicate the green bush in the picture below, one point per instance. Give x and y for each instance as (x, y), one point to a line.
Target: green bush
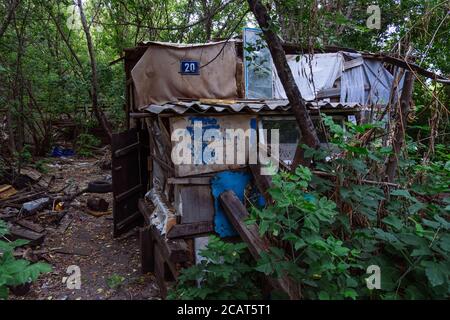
(224, 273)
(334, 228)
(85, 143)
(14, 272)
(329, 226)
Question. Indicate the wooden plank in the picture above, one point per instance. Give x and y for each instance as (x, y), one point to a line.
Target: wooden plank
(146, 250)
(86, 252)
(353, 63)
(329, 93)
(159, 270)
(31, 173)
(125, 195)
(141, 115)
(192, 180)
(30, 225)
(196, 203)
(16, 232)
(173, 250)
(190, 229)
(126, 150)
(7, 191)
(263, 183)
(332, 92)
(237, 213)
(146, 210)
(129, 182)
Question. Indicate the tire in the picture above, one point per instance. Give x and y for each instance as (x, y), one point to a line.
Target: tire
(99, 187)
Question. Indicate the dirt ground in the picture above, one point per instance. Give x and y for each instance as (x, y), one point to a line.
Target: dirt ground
(110, 268)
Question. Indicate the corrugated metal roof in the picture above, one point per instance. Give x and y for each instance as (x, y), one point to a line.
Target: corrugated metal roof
(180, 107)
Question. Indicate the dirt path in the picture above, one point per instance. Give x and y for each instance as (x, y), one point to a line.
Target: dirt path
(110, 268)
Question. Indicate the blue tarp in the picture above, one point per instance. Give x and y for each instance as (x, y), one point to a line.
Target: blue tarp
(224, 181)
(59, 152)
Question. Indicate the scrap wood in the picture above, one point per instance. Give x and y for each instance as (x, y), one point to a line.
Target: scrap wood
(29, 253)
(31, 173)
(173, 251)
(146, 208)
(7, 216)
(46, 181)
(263, 183)
(30, 225)
(190, 229)
(16, 232)
(237, 213)
(53, 216)
(222, 102)
(64, 223)
(21, 198)
(7, 191)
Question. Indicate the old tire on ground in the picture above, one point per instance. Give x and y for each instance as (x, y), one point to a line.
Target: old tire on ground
(99, 187)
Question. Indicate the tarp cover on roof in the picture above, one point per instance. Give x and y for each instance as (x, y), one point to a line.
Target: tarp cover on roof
(311, 74)
(157, 78)
(362, 81)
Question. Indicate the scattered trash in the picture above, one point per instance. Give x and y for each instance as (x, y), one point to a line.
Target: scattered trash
(34, 206)
(6, 191)
(99, 186)
(31, 173)
(97, 204)
(58, 206)
(59, 152)
(98, 214)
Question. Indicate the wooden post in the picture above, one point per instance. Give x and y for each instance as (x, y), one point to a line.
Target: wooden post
(263, 183)
(147, 254)
(237, 213)
(400, 128)
(296, 101)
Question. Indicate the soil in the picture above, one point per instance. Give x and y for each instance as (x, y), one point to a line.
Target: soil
(110, 268)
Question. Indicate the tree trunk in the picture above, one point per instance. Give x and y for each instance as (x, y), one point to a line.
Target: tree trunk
(309, 134)
(208, 20)
(12, 8)
(399, 133)
(99, 114)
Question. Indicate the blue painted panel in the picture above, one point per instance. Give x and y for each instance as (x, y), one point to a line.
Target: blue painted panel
(224, 181)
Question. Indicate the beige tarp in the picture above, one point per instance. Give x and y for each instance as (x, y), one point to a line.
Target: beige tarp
(157, 77)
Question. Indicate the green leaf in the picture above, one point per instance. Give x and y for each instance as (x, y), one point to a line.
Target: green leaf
(324, 295)
(435, 273)
(350, 293)
(425, 251)
(265, 268)
(299, 244)
(401, 193)
(393, 221)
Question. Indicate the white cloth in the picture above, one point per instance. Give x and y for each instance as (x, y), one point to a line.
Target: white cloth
(325, 68)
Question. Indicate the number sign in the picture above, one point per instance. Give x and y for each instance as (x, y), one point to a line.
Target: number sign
(190, 68)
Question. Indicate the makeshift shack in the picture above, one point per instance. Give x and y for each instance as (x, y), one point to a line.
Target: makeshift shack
(221, 85)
